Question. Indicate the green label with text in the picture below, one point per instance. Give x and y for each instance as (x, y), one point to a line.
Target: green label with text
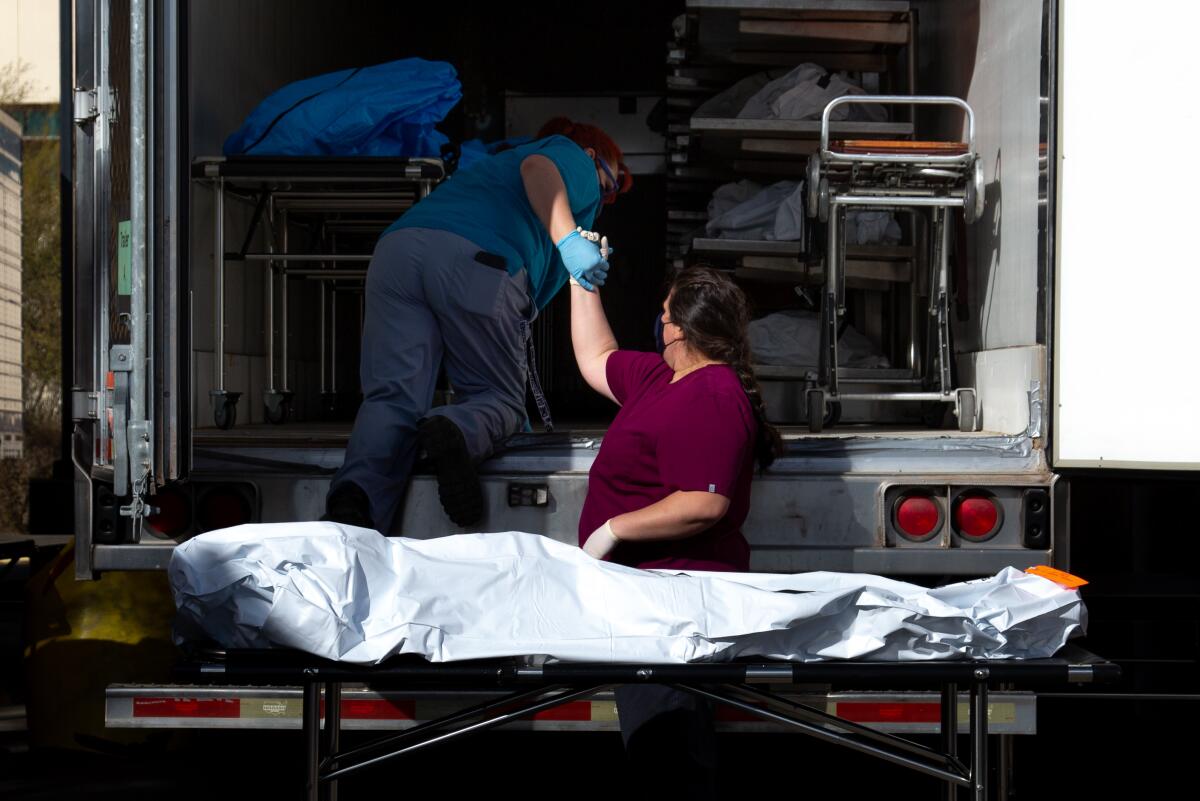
(124, 258)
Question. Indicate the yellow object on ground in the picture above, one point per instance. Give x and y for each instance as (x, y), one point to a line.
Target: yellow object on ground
(85, 635)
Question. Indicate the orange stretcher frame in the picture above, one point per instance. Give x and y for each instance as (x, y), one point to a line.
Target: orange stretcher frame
(899, 146)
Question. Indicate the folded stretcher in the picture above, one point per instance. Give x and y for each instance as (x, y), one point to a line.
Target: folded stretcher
(935, 177)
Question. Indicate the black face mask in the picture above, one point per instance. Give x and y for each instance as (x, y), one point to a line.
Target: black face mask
(658, 333)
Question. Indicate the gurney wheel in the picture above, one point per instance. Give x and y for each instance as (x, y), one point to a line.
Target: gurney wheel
(833, 413)
(821, 413)
(814, 180)
(823, 200)
(278, 413)
(225, 413)
(973, 196)
(965, 408)
(277, 406)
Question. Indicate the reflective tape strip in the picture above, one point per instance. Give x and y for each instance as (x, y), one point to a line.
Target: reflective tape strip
(281, 708)
(729, 714)
(890, 713)
(572, 710)
(376, 709)
(267, 708)
(916, 712)
(604, 711)
(186, 708)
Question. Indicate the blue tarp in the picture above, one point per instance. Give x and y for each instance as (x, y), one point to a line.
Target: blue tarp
(385, 110)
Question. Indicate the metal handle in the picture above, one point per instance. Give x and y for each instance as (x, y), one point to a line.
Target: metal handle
(898, 100)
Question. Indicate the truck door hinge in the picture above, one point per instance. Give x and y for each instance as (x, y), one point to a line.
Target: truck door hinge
(84, 405)
(89, 104)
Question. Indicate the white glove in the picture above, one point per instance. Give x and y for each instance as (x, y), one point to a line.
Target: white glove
(601, 542)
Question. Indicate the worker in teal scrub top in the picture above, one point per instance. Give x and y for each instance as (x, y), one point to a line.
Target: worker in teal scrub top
(456, 282)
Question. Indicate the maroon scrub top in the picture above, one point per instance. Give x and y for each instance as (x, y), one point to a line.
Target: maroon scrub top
(696, 435)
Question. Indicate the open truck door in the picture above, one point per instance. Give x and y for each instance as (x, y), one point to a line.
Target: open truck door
(127, 281)
(1126, 281)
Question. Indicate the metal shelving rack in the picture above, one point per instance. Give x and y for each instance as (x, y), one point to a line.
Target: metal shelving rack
(718, 42)
(340, 201)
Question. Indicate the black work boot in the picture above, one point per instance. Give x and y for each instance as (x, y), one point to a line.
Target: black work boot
(458, 483)
(348, 504)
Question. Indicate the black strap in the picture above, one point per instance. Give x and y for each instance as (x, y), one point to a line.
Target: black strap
(535, 384)
(297, 104)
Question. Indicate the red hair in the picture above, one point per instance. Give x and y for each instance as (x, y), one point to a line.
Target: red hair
(594, 137)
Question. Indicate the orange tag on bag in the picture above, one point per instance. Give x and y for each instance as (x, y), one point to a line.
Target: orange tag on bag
(1057, 576)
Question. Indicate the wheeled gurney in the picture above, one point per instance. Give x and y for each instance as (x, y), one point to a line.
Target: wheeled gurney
(755, 688)
(889, 175)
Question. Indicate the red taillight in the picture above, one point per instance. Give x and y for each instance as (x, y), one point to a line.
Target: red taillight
(917, 516)
(976, 516)
(222, 507)
(174, 515)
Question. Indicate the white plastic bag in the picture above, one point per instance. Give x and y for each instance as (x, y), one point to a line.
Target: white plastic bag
(872, 228)
(744, 210)
(803, 94)
(351, 594)
(793, 338)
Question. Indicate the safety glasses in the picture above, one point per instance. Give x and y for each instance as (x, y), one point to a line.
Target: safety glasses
(614, 184)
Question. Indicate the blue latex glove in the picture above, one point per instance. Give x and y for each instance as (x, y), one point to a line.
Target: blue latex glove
(583, 260)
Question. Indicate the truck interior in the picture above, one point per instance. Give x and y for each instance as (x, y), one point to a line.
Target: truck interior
(650, 74)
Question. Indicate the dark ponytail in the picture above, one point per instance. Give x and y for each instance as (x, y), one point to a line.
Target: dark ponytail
(714, 316)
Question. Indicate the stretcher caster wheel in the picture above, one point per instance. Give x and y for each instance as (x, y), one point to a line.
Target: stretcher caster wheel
(823, 200)
(277, 406)
(973, 195)
(821, 413)
(225, 409)
(833, 414)
(814, 180)
(965, 408)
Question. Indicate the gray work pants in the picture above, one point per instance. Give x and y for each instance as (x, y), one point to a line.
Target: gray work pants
(429, 301)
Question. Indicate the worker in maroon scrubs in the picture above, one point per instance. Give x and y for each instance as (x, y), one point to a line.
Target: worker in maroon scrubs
(670, 487)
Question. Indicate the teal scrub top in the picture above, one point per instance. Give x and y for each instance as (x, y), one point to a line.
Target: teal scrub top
(486, 203)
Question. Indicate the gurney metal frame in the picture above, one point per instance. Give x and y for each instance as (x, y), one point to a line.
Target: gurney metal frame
(533, 689)
(320, 186)
(841, 177)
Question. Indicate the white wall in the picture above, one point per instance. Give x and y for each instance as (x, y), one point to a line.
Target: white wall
(1128, 273)
(989, 53)
(29, 33)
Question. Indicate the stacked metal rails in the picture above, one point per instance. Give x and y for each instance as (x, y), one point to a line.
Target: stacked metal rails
(342, 205)
(719, 42)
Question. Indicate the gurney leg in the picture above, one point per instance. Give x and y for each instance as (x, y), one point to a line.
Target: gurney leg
(312, 739)
(831, 303)
(269, 300)
(950, 733)
(942, 232)
(979, 722)
(333, 729)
